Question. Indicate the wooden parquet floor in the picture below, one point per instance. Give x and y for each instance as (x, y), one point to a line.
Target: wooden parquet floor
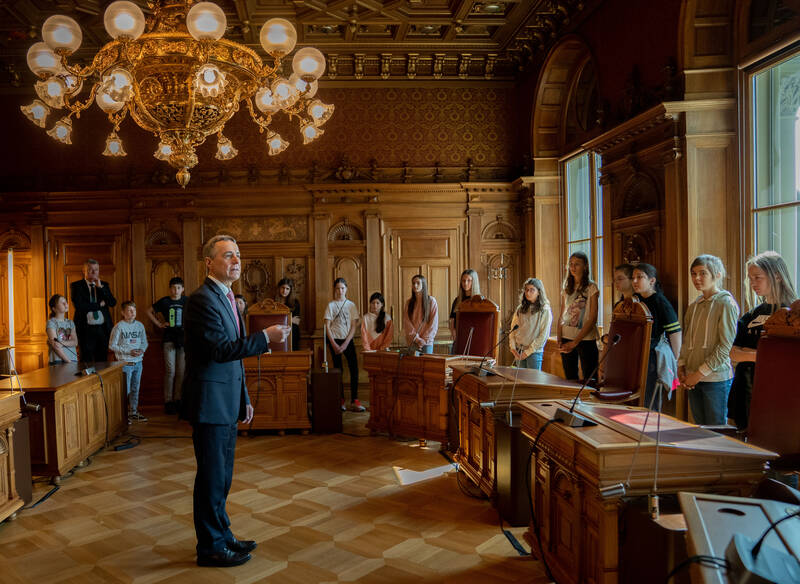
(323, 508)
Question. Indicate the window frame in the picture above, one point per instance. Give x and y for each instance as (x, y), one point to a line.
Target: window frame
(747, 121)
(597, 242)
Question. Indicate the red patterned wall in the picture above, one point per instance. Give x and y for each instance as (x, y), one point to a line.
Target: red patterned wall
(420, 126)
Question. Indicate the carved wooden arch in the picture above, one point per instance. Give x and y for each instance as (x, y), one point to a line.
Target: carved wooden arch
(640, 193)
(345, 231)
(704, 23)
(499, 230)
(561, 68)
(14, 239)
(161, 237)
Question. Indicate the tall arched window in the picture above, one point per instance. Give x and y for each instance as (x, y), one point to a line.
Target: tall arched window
(775, 161)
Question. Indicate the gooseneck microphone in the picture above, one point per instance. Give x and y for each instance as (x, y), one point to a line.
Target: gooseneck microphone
(483, 360)
(572, 419)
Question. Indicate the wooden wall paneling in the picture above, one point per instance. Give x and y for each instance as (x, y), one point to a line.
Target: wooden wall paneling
(30, 348)
(712, 187)
(374, 247)
(194, 269)
(434, 253)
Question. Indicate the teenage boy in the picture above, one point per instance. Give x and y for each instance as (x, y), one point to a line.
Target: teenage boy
(167, 314)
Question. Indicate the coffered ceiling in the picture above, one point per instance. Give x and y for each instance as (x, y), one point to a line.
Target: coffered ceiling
(363, 40)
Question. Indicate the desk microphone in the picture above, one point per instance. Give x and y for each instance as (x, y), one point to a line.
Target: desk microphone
(574, 420)
(483, 360)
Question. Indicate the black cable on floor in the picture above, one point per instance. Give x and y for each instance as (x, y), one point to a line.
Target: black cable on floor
(511, 538)
(43, 499)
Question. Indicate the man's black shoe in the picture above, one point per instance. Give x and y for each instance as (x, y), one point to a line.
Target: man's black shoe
(223, 559)
(242, 546)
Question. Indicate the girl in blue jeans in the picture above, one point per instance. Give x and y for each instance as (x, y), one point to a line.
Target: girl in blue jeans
(704, 364)
(534, 317)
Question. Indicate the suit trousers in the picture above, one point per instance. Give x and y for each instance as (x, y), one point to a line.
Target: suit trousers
(93, 343)
(214, 450)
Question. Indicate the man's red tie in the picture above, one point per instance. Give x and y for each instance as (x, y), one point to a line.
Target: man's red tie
(235, 309)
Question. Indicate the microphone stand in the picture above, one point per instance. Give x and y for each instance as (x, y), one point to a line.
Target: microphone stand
(484, 372)
(568, 417)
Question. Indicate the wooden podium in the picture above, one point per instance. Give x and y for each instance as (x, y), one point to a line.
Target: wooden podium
(579, 529)
(78, 413)
(10, 501)
(477, 445)
(278, 388)
(409, 394)
(277, 382)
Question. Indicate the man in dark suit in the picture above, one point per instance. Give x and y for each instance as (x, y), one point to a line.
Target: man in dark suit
(215, 397)
(92, 299)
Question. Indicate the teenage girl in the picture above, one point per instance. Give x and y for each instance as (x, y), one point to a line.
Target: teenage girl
(770, 281)
(534, 317)
(623, 282)
(286, 295)
(704, 365)
(577, 327)
(420, 317)
(340, 319)
(469, 285)
(377, 327)
(665, 321)
(62, 339)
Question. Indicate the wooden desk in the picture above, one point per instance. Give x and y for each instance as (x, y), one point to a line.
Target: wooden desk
(579, 529)
(409, 395)
(713, 519)
(10, 502)
(279, 395)
(477, 445)
(78, 414)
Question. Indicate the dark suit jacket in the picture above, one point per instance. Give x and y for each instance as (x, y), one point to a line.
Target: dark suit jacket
(214, 390)
(81, 300)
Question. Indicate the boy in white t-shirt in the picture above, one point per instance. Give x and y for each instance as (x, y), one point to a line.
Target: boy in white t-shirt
(129, 342)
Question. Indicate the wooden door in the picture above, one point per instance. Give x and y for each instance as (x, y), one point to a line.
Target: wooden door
(434, 253)
(70, 247)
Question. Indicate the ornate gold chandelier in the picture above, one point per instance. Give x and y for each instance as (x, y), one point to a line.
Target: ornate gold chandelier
(180, 80)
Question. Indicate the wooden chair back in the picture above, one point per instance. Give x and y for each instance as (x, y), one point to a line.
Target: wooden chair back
(626, 362)
(266, 313)
(775, 405)
(482, 317)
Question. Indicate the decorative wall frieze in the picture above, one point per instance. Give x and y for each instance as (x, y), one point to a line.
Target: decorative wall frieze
(163, 179)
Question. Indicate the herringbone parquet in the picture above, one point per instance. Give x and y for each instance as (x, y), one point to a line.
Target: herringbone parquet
(323, 509)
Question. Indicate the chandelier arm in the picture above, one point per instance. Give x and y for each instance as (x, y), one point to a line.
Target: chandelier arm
(267, 72)
(117, 118)
(262, 122)
(77, 70)
(77, 107)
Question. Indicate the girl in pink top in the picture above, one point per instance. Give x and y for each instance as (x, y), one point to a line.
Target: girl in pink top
(377, 328)
(420, 317)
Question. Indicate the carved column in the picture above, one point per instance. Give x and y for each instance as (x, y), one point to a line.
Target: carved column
(139, 263)
(474, 243)
(372, 219)
(322, 283)
(527, 206)
(191, 246)
(543, 238)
